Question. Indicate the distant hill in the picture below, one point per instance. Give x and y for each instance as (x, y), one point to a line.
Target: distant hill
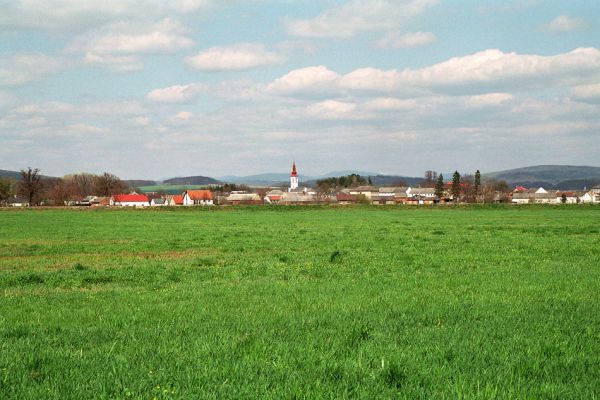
(560, 177)
(192, 180)
(276, 179)
(267, 179)
(133, 183)
(10, 174)
(394, 180)
(16, 175)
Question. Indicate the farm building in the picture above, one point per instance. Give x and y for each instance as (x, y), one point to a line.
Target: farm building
(273, 197)
(158, 202)
(130, 200)
(244, 198)
(174, 200)
(197, 198)
(17, 201)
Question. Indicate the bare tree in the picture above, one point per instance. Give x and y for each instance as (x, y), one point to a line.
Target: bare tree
(430, 178)
(108, 184)
(30, 184)
(7, 189)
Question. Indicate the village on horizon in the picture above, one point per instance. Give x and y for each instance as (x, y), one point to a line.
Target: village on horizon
(109, 190)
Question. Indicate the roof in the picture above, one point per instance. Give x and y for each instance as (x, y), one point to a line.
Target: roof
(17, 200)
(130, 198)
(418, 191)
(243, 197)
(199, 194)
(366, 189)
(297, 197)
(159, 201)
(178, 199)
(345, 197)
(395, 189)
(294, 173)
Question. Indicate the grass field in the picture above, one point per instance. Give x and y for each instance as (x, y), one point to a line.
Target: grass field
(309, 303)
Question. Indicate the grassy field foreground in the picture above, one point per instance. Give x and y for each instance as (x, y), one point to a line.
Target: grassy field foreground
(300, 303)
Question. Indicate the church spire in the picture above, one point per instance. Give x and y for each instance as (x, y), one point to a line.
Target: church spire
(294, 173)
(293, 178)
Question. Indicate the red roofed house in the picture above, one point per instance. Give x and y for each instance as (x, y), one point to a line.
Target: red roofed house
(130, 200)
(175, 200)
(197, 197)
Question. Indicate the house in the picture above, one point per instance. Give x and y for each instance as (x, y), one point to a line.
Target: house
(100, 201)
(197, 197)
(368, 191)
(273, 197)
(346, 198)
(130, 200)
(536, 196)
(174, 200)
(17, 201)
(586, 198)
(390, 195)
(422, 195)
(158, 202)
(297, 198)
(570, 197)
(243, 198)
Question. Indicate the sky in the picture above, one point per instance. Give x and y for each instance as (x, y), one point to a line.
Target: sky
(151, 89)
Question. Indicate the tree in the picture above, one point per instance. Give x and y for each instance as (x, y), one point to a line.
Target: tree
(108, 184)
(477, 184)
(439, 187)
(563, 198)
(466, 188)
(455, 186)
(430, 178)
(7, 189)
(30, 184)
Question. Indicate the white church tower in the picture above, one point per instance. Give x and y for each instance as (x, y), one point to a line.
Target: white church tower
(293, 178)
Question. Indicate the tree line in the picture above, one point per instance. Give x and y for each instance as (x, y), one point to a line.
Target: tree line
(38, 189)
(469, 188)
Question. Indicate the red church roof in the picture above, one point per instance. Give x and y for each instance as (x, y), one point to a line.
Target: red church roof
(130, 198)
(294, 173)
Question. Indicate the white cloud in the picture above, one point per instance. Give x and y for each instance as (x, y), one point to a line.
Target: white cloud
(497, 67)
(176, 94)
(305, 80)
(331, 109)
(413, 39)
(118, 45)
(485, 71)
(489, 100)
(19, 69)
(237, 57)
(586, 92)
(564, 23)
(371, 79)
(390, 104)
(359, 16)
(67, 15)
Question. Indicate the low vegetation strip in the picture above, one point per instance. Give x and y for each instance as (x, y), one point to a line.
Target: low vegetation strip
(300, 302)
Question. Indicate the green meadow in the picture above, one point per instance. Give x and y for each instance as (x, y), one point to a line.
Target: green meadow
(301, 303)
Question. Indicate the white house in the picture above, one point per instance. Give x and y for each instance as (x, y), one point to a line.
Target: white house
(130, 200)
(158, 202)
(197, 198)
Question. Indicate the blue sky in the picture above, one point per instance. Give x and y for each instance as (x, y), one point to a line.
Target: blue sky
(154, 89)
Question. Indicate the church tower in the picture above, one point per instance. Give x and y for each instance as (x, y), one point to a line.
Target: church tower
(293, 178)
